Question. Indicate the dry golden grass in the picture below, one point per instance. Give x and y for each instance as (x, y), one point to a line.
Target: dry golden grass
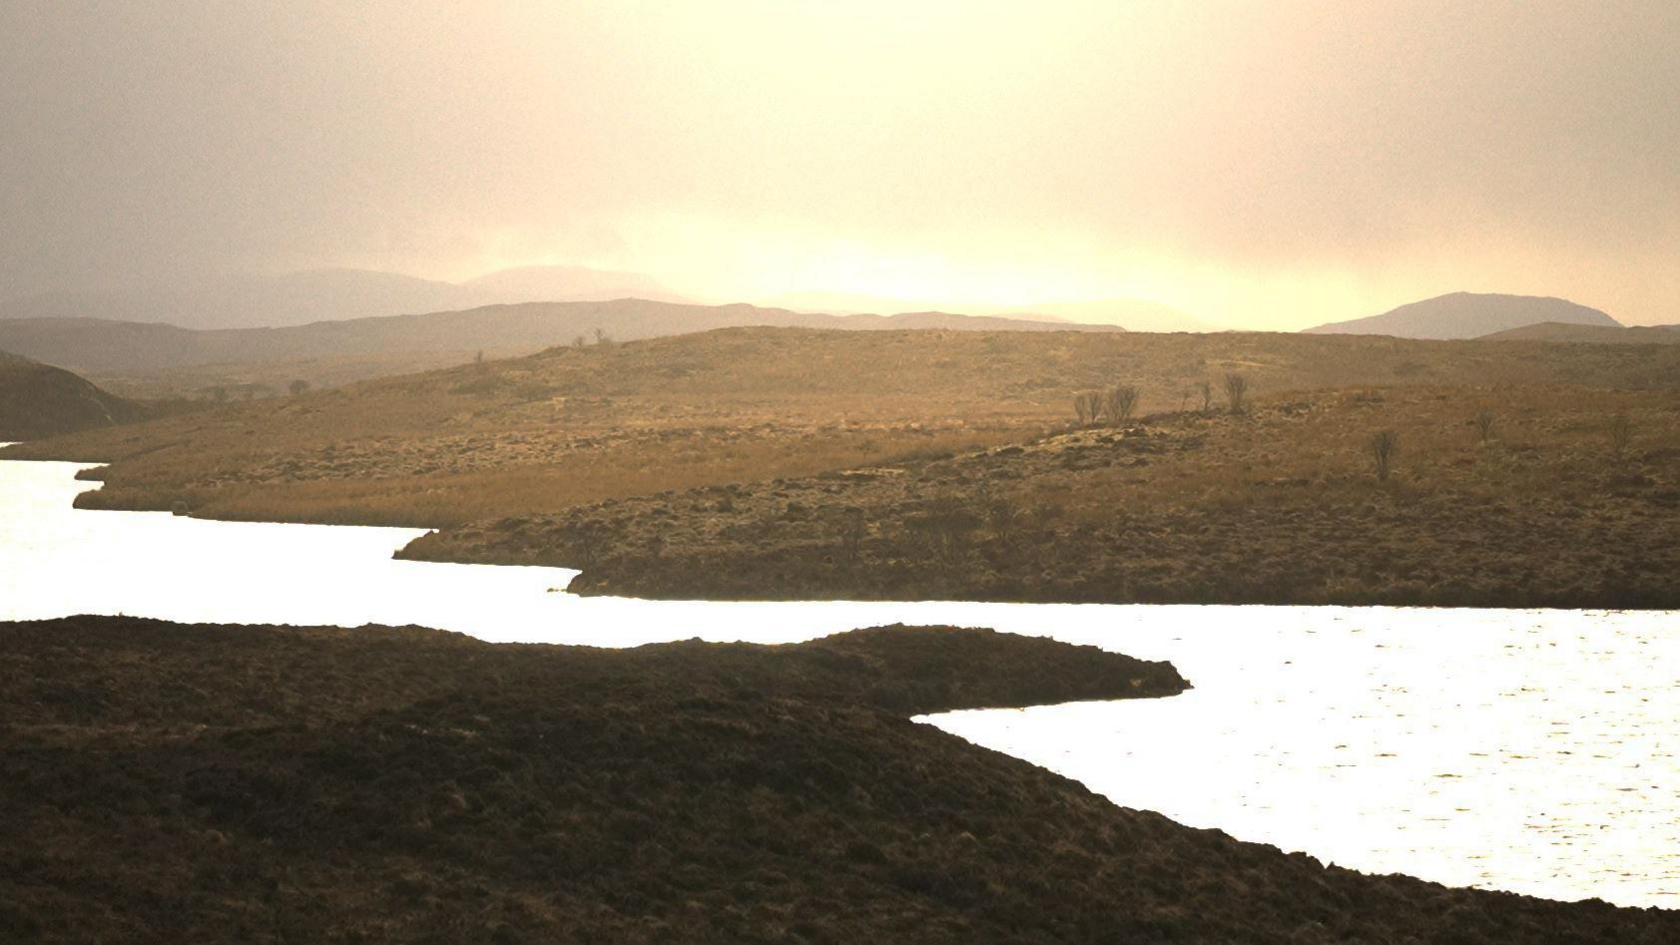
(568, 426)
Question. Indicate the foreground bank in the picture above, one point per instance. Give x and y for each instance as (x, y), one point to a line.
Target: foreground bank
(191, 783)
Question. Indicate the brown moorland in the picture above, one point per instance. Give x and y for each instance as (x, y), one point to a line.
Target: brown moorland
(1527, 497)
(572, 426)
(183, 784)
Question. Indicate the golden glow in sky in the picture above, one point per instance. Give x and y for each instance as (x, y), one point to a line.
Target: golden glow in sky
(1256, 164)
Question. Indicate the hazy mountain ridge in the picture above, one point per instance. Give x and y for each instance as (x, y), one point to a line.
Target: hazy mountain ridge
(1133, 314)
(300, 298)
(1590, 334)
(1130, 314)
(569, 284)
(114, 346)
(1468, 315)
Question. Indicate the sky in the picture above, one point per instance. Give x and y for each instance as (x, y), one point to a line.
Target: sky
(1267, 164)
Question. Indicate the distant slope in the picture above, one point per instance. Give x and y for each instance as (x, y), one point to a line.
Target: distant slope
(1468, 315)
(37, 400)
(568, 284)
(257, 301)
(1591, 334)
(1131, 314)
(125, 347)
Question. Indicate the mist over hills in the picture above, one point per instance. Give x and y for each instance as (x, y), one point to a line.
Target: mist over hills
(100, 345)
(1469, 315)
(321, 295)
(569, 284)
(1130, 314)
(299, 298)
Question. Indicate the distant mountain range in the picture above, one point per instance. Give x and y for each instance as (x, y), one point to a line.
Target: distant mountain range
(1130, 314)
(37, 400)
(1591, 334)
(299, 298)
(125, 347)
(1469, 315)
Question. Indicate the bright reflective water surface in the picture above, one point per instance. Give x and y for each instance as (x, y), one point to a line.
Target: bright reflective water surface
(1534, 751)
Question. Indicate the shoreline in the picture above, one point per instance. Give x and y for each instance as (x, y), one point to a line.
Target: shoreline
(807, 571)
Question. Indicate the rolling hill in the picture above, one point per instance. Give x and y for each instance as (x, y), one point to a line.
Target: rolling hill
(571, 425)
(398, 343)
(1591, 334)
(38, 400)
(1468, 315)
(947, 465)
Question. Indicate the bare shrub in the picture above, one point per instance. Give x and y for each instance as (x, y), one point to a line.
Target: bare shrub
(944, 527)
(1087, 405)
(1620, 432)
(1120, 402)
(1236, 389)
(298, 386)
(1003, 517)
(1485, 423)
(853, 529)
(1207, 396)
(1383, 448)
(583, 540)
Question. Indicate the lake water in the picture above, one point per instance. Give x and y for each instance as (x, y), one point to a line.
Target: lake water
(1533, 751)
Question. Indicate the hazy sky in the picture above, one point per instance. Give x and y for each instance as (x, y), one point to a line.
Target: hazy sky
(1267, 164)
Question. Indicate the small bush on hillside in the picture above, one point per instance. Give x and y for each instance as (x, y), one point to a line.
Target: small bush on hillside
(1003, 517)
(944, 527)
(1620, 432)
(853, 528)
(1236, 390)
(1383, 448)
(1087, 406)
(1120, 402)
(583, 542)
(1485, 423)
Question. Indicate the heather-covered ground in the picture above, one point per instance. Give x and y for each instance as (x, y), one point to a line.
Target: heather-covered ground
(167, 783)
(1562, 497)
